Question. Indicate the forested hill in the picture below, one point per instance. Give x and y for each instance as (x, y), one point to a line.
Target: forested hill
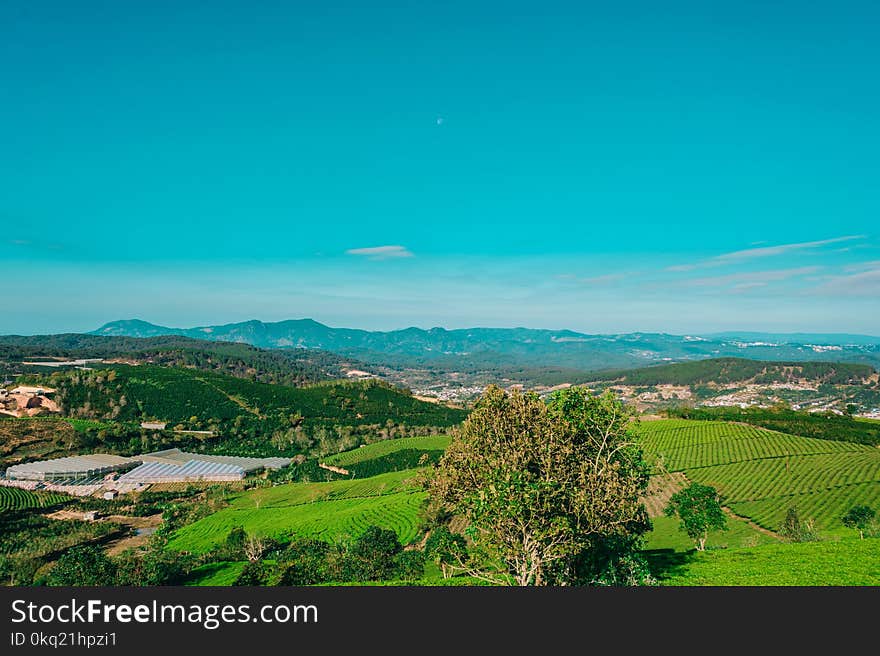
(739, 370)
(286, 367)
(244, 417)
(147, 392)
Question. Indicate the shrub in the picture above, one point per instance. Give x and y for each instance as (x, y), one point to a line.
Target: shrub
(793, 530)
(859, 518)
(155, 567)
(308, 563)
(83, 566)
(447, 549)
(410, 565)
(253, 573)
(372, 556)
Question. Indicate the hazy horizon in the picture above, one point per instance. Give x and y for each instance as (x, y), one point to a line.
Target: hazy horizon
(732, 331)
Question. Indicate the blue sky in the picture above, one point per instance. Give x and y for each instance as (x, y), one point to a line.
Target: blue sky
(686, 168)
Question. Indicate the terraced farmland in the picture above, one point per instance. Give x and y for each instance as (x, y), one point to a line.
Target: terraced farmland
(387, 447)
(762, 473)
(825, 508)
(681, 444)
(326, 510)
(13, 498)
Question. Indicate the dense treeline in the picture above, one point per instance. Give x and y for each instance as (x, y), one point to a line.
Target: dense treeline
(824, 426)
(137, 393)
(286, 367)
(244, 417)
(29, 541)
(375, 555)
(733, 370)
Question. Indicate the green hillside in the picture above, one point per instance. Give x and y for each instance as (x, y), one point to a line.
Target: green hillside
(761, 473)
(134, 393)
(324, 510)
(825, 426)
(287, 367)
(35, 439)
(387, 447)
(244, 417)
(391, 455)
(734, 370)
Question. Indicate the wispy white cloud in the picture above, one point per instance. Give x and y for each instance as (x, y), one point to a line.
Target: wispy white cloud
(763, 251)
(862, 266)
(745, 287)
(768, 251)
(749, 279)
(381, 252)
(601, 280)
(864, 283)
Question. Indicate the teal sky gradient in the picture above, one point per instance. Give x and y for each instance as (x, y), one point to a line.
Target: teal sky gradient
(679, 167)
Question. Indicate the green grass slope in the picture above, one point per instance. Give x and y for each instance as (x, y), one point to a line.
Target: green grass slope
(391, 455)
(325, 510)
(840, 562)
(387, 447)
(666, 534)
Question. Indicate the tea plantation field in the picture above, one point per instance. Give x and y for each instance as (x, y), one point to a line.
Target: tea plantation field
(324, 510)
(762, 473)
(13, 498)
(388, 447)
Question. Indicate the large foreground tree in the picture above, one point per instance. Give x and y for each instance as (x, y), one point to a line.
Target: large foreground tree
(551, 492)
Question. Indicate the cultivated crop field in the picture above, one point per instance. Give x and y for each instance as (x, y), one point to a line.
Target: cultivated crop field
(680, 444)
(387, 447)
(762, 473)
(325, 510)
(13, 498)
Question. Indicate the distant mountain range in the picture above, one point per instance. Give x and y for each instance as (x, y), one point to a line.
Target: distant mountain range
(505, 347)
